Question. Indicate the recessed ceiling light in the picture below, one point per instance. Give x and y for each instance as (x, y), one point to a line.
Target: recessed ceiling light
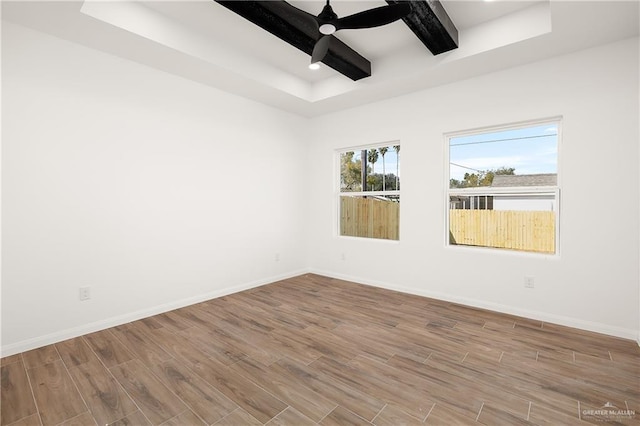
(314, 66)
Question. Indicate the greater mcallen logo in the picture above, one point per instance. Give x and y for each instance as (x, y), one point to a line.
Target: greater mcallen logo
(609, 412)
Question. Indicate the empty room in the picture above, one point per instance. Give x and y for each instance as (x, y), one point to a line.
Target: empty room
(202, 220)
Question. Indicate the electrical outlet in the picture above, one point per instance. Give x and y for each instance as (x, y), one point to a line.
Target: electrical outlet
(85, 293)
(343, 257)
(529, 282)
(277, 257)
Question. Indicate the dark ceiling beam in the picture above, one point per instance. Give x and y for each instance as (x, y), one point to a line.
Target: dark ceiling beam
(432, 25)
(276, 17)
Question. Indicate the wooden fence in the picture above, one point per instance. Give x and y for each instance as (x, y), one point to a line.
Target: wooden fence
(369, 217)
(516, 230)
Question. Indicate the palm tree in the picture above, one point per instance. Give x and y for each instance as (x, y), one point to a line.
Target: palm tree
(397, 149)
(372, 156)
(383, 151)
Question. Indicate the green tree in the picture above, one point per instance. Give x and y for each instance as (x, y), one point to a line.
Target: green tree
(505, 171)
(397, 149)
(481, 178)
(373, 182)
(487, 178)
(455, 183)
(471, 179)
(383, 151)
(372, 156)
(350, 172)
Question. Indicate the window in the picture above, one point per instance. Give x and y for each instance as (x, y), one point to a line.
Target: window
(502, 189)
(369, 196)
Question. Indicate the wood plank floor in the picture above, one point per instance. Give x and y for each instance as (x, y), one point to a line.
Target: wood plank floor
(314, 350)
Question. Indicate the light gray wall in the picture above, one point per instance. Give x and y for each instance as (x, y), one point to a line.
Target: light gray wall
(593, 283)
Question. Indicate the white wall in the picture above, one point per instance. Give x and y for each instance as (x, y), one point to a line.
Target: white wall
(158, 192)
(593, 283)
(524, 203)
(153, 190)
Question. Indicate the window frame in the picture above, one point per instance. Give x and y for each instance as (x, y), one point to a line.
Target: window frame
(338, 193)
(482, 191)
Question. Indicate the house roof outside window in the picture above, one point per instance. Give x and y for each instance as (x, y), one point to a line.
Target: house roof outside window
(541, 179)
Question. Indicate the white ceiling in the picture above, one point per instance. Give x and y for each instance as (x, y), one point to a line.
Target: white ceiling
(205, 42)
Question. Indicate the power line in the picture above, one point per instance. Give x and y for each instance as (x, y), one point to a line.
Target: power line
(503, 140)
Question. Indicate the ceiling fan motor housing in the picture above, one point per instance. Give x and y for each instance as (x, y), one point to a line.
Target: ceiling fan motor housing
(327, 19)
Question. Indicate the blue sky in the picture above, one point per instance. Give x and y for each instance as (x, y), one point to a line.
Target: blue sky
(529, 150)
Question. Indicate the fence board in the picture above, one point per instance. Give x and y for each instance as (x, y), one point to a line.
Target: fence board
(516, 230)
(369, 217)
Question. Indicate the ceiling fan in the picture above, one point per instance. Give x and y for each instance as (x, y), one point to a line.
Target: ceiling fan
(328, 22)
(427, 19)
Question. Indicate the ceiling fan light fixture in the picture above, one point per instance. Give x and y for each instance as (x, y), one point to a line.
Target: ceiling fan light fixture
(314, 66)
(327, 29)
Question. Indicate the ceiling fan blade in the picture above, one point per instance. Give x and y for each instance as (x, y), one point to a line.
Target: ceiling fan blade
(320, 49)
(374, 17)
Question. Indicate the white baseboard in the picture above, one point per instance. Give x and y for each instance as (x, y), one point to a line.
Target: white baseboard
(624, 333)
(36, 342)
(59, 336)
